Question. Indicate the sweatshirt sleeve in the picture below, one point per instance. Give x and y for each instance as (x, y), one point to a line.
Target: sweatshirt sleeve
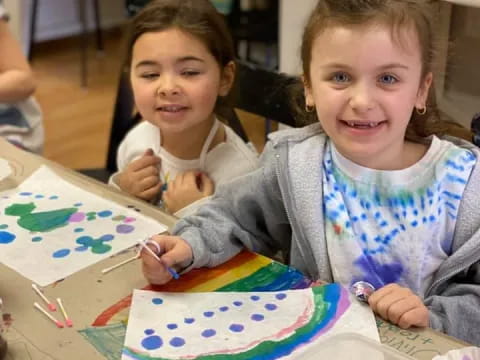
(247, 212)
(456, 309)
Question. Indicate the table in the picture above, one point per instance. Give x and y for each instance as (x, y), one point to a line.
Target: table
(98, 304)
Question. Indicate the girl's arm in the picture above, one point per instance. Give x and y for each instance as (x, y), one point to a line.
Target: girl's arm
(16, 78)
(247, 212)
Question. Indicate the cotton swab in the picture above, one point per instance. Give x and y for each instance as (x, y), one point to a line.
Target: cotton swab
(58, 323)
(150, 251)
(106, 270)
(50, 305)
(68, 322)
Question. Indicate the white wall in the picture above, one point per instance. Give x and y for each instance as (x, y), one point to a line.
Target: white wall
(293, 16)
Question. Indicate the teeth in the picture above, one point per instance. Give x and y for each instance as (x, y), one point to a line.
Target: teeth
(351, 124)
(355, 124)
(372, 124)
(171, 108)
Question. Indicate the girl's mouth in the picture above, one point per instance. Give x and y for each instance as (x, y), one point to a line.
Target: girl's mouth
(363, 124)
(172, 108)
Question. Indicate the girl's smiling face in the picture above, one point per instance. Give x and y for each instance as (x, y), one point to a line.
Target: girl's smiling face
(176, 81)
(365, 85)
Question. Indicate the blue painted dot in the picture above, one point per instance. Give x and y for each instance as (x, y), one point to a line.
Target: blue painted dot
(149, 332)
(236, 327)
(77, 230)
(39, 196)
(189, 320)
(281, 296)
(177, 342)
(237, 303)
(172, 326)
(257, 317)
(81, 248)
(208, 313)
(152, 342)
(25, 193)
(157, 301)
(255, 297)
(208, 333)
(223, 308)
(77, 204)
(107, 237)
(37, 238)
(6, 237)
(270, 307)
(53, 197)
(414, 223)
(105, 213)
(61, 253)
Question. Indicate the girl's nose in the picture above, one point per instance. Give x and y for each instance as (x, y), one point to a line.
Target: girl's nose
(167, 87)
(362, 98)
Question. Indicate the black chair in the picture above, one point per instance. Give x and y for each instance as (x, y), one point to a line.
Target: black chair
(257, 90)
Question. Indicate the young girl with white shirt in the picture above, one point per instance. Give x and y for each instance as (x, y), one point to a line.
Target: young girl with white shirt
(181, 61)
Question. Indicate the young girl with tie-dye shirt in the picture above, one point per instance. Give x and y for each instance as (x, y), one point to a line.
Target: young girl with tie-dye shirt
(369, 193)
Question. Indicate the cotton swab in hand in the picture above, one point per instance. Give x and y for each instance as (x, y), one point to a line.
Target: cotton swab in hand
(106, 270)
(68, 322)
(50, 305)
(150, 251)
(58, 323)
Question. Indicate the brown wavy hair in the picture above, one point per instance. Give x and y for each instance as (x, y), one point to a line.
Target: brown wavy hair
(397, 15)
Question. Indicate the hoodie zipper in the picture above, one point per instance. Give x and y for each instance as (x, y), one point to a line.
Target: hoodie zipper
(294, 226)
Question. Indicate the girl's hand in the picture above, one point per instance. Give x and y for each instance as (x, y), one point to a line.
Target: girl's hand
(176, 253)
(187, 188)
(141, 177)
(400, 306)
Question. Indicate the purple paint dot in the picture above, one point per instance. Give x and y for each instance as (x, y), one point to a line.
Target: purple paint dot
(223, 308)
(152, 342)
(105, 213)
(172, 326)
(237, 303)
(281, 296)
(77, 230)
(107, 237)
(236, 327)
(270, 307)
(77, 217)
(125, 229)
(189, 320)
(25, 193)
(129, 219)
(39, 196)
(208, 333)
(81, 248)
(6, 237)
(37, 239)
(208, 314)
(157, 301)
(149, 332)
(61, 253)
(177, 342)
(257, 317)
(255, 297)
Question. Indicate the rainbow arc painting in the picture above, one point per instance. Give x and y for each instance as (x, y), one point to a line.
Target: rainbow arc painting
(240, 325)
(50, 229)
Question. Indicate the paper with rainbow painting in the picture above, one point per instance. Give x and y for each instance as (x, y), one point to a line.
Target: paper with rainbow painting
(241, 325)
(50, 229)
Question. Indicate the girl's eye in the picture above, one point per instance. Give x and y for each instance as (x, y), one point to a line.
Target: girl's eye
(149, 76)
(189, 73)
(388, 79)
(341, 77)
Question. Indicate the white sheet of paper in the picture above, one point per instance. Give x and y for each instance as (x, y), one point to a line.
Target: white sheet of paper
(190, 325)
(50, 229)
(5, 169)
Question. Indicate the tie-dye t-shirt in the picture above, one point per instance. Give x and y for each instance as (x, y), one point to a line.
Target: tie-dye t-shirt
(393, 226)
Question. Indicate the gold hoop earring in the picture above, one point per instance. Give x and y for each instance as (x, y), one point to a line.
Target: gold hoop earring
(309, 109)
(421, 111)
